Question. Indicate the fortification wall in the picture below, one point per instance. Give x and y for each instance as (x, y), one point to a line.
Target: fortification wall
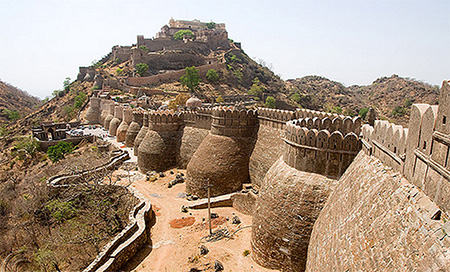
(324, 152)
(289, 203)
(167, 60)
(172, 76)
(421, 152)
(375, 220)
(200, 118)
(190, 141)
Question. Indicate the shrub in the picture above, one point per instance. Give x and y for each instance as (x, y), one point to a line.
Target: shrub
(57, 152)
(363, 112)
(349, 112)
(181, 33)
(119, 71)
(13, 115)
(398, 111)
(408, 102)
(238, 74)
(191, 78)
(256, 89)
(61, 211)
(3, 131)
(219, 99)
(270, 102)
(25, 145)
(141, 68)
(211, 25)
(143, 48)
(79, 100)
(180, 100)
(212, 75)
(246, 252)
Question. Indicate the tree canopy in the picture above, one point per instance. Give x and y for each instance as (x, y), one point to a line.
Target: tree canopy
(141, 68)
(191, 78)
(181, 33)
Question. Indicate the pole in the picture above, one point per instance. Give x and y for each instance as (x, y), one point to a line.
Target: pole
(209, 207)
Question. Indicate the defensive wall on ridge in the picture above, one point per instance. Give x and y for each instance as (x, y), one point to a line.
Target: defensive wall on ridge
(395, 195)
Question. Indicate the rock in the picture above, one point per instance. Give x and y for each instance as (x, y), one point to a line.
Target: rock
(203, 250)
(194, 197)
(181, 195)
(171, 172)
(182, 174)
(194, 270)
(189, 198)
(236, 220)
(214, 215)
(218, 266)
(161, 174)
(184, 209)
(178, 176)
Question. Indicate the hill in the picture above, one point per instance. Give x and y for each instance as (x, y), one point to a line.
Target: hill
(391, 96)
(15, 102)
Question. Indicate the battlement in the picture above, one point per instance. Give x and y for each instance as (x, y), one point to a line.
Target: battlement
(165, 121)
(274, 117)
(228, 121)
(138, 117)
(319, 151)
(199, 118)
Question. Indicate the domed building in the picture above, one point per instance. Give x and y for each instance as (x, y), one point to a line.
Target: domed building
(193, 102)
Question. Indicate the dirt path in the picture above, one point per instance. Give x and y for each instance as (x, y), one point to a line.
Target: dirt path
(177, 249)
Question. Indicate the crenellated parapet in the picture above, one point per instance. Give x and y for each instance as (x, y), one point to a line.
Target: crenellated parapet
(319, 151)
(332, 123)
(227, 121)
(160, 147)
(274, 117)
(199, 118)
(165, 121)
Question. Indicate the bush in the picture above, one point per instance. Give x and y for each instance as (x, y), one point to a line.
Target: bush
(212, 75)
(79, 100)
(191, 78)
(25, 145)
(211, 25)
(363, 112)
(57, 152)
(180, 100)
(143, 48)
(349, 112)
(141, 68)
(256, 89)
(119, 71)
(398, 111)
(181, 33)
(219, 99)
(13, 115)
(61, 211)
(270, 102)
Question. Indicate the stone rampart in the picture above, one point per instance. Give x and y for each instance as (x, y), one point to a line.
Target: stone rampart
(123, 127)
(171, 76)
(375, 220)
(421, 152)
(222, 159)
(93, 112)
(200, 118)
(115, 122)
(160, 147)
(134, 128)
(233, 123)
(319, 151)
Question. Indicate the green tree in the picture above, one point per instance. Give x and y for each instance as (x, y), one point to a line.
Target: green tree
(66, 83)
(190, 79)
(363, 112)
(211, 25)
(256, 89)
(57, 152)
(141, 68)
(212, 75)
(270, 102)
(181, 33)
(13, 115)
(79, 100)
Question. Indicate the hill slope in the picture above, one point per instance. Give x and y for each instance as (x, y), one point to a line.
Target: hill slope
(14, 99)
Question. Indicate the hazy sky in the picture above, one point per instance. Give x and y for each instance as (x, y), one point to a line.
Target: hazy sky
(353, 42)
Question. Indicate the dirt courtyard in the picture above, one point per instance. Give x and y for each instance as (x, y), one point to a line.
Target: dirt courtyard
(176, 236)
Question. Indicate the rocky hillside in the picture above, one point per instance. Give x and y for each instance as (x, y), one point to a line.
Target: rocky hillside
(392, 96)
(15, 102)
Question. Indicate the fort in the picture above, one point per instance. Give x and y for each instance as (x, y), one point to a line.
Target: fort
(334, 193)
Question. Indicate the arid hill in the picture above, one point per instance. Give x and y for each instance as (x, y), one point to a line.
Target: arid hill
(391, 96)
(14, 99)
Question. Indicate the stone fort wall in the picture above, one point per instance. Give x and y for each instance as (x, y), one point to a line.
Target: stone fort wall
(389, 209)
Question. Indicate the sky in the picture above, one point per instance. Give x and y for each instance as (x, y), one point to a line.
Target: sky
(352, 42)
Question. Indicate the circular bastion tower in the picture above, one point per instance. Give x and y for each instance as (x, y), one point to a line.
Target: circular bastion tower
(115, 122)
(109, 115)
(160, 147)
(223, 156)
(123, 127)
(134, 128)
(93, 112)
(141, 135)
(296, 187)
